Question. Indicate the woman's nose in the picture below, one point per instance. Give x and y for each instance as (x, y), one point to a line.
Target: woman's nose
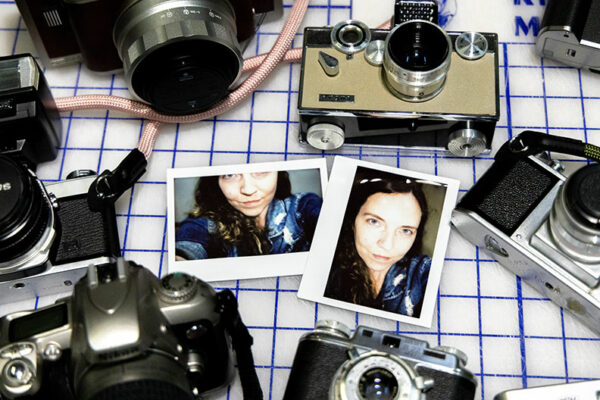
(385, 240)
(247, 186)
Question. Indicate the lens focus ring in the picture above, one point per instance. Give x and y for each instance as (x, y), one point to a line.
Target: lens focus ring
(416, 60)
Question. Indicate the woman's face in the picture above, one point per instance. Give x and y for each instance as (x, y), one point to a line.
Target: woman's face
(249, 193)
(386, 228)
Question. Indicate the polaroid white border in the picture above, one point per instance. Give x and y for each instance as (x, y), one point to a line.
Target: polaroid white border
(233, 268)
(320, 259)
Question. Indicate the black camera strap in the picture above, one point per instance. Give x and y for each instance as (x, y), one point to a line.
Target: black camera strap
(242, 344)
(531, 143)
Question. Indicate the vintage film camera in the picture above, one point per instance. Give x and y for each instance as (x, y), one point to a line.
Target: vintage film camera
(48, 233)
(538, 223)
(415, 86)
(181, 57)
(570, 33)
(372, 364)
(124, 334)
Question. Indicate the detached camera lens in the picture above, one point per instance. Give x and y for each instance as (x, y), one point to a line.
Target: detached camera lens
(181, 56)
(378, 384)
(23, 210)
(416, 60)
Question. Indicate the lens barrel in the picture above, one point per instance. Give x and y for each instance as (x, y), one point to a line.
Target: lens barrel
(416, 60)
(575, 216)
(181, 56)
(24, 212)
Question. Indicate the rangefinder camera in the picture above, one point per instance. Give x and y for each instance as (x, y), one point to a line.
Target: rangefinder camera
(181, 57)
(124, 334)
(541, 225)
(588, 390)
(570, 33)
(330, 364)
(415, 86)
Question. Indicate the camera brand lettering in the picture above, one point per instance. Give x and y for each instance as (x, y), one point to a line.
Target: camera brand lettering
(337, 98)
(5, 187)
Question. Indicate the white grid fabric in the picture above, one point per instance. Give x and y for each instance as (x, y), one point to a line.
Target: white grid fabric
(512, 335)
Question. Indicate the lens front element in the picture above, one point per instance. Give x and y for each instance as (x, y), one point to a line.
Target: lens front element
(378, 384)
(416, 60)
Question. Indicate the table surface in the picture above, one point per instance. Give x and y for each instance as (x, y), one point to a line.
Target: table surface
(512, 335)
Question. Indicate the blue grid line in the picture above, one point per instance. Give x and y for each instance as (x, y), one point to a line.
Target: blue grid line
(564, 344)
(521, 332)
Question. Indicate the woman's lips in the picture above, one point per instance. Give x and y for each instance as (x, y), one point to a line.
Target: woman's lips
(252, 203)
(380, 258)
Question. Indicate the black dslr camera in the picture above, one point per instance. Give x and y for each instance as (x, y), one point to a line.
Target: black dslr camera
(48, 233)
(415, 86)
(331, 365)
(124, 334)
(570, 33)
(538, 223)
(182, 57)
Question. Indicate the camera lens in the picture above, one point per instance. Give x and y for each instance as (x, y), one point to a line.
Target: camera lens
(180, 56)
(24, 211)
(378, 384)
(416, 60)
(575, 216)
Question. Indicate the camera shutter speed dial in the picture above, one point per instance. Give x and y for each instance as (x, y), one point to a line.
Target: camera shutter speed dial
(177, 288)
(467, 142)
(471, 45)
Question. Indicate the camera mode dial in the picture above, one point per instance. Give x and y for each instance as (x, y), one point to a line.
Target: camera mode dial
(177, 288)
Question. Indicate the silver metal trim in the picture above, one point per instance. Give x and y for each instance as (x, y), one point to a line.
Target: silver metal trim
(349, 48)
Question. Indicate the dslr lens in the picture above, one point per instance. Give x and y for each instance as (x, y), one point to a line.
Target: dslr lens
(416, 60)
(378, 384)
(24, 211)
(180, 56)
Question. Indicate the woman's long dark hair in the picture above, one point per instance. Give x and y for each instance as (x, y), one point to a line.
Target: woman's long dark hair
(349, 278)
(233, 227)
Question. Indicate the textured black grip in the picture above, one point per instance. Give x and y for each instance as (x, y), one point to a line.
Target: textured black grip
(82, 234)
(571, 13)
(314, 367)
(448, 386)
(508, 192)
(143, 390)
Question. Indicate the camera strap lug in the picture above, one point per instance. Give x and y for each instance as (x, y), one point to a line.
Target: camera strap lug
(110, 185)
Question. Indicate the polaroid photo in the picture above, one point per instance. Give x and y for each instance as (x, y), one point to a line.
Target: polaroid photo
(380, 243)
(243, 221)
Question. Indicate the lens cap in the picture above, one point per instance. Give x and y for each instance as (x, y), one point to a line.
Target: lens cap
(583, 195)
(186, 77)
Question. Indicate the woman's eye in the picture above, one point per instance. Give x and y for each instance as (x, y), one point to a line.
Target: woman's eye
(229, 176)
(408, 231)
(373, 221)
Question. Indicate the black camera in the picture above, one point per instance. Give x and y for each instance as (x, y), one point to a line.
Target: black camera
(538, 223)
(332, 365)
(124, 334)
(570, 33)
(182, 57)
(48, 234)
(415, 86)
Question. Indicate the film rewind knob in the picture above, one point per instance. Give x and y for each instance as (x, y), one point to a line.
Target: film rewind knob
(325, 136)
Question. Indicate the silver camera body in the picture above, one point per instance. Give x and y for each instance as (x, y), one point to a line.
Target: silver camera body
(71, 238)
(541, 225)
(122, 326)
(579, 390)
(415, 86)
(330, 363)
